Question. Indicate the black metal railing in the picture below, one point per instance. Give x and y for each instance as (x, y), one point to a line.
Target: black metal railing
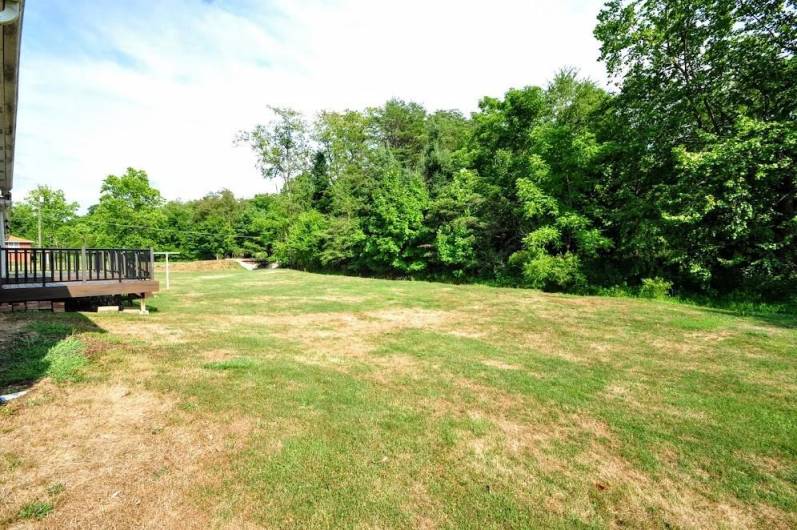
(57, 265)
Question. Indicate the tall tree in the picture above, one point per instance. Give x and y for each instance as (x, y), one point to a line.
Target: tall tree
(282, 147)
(128, 213)
(702, 83)
(47, 211)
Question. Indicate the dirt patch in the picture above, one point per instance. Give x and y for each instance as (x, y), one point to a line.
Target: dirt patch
(218, 355)
(126, 457)
(343, 333)
(495, 363)
(340, 340)
(147, 329)
(199, 266)
(410, 318)
(343, 298)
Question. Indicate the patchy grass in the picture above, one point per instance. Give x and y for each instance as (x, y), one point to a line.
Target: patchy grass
(284, 399)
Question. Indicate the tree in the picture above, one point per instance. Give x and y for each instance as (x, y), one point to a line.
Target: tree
(536, 153)
(301, 246)
(447, 135)
(282, 146)
(178, 224)
(46, 209)
(214, 222)
(703, 81)
(456, 214)
(394, 226)
(343, 244)
(400, 127)
(498, 152)
(128, 214)
(554, 251)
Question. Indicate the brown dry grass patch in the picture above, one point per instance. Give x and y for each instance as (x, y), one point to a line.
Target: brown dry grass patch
(126, 456)
(345, 333)
(521, 451)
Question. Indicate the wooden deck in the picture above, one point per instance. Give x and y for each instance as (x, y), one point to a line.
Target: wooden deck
(67, 290)
(52, 274)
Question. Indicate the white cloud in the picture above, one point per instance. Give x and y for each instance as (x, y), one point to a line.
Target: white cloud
(165, 88)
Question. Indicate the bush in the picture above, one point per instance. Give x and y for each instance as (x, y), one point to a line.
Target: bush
(554, 273)
(656, 288)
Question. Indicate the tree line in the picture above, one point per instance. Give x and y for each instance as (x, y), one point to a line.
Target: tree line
(682, 176)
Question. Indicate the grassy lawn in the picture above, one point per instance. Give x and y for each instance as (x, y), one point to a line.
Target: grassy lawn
(285, 399)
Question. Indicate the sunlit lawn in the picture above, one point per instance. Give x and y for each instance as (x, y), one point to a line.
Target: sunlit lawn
(287, 399)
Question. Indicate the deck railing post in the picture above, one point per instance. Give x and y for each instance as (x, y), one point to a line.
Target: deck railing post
(151, 274)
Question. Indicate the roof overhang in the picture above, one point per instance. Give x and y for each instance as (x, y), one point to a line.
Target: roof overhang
(10, 24)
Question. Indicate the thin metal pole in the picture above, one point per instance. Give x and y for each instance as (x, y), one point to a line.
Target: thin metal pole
(168, 285)
(41, 203)
(83, 264)
(151, 264)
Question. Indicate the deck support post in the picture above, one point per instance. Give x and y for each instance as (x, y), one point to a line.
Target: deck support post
(143, 302)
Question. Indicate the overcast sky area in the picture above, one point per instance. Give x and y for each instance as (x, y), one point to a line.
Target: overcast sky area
(165, 85)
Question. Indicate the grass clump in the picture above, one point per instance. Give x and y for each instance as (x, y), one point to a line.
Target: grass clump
(36, 510)
(66, 360)
(55, 489)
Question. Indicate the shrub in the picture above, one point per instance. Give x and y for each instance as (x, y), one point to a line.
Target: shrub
(554, 273)
(656, 288)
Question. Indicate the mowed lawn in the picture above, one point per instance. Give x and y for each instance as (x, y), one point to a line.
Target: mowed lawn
(285, 399)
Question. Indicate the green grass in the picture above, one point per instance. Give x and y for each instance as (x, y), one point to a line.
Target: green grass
(35, 510)
(44, 349)
(373, 403)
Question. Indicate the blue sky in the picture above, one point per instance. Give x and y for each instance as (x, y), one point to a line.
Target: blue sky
(164, 86)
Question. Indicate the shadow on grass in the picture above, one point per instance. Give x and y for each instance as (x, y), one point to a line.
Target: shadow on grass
(780, 320)
(35, 346)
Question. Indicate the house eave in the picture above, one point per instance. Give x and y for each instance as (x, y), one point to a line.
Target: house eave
(10, 25)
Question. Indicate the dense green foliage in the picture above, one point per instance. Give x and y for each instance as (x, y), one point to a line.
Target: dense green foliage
(685, 175)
